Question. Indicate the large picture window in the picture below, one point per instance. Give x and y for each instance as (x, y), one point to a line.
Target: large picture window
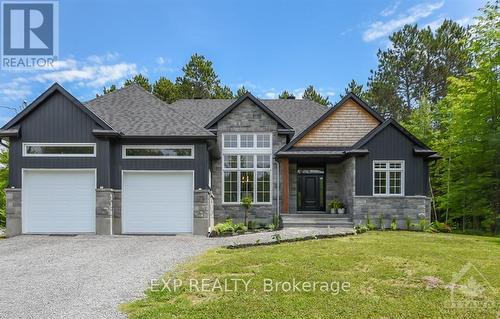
(388, 178)
(246, 167)
(59, 149)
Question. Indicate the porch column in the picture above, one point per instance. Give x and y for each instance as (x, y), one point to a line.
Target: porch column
(285, 186)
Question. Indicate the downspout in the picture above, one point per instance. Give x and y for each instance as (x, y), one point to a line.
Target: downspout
(278, 187)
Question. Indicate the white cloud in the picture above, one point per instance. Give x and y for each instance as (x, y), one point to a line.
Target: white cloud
(465, 21)
(14, 91)
(381, 29)
(434, 24)
(390, 10)
(162, 65)
(93, 71)
(298, 93)
(160, 60)
(100, 59)
(271, 95)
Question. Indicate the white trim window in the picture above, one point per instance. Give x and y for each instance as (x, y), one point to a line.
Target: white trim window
(59, 149)
(388, 178)
(246, 167)
(158, 151)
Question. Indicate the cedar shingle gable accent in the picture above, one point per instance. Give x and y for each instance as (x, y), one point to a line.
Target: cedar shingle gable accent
(344, 127)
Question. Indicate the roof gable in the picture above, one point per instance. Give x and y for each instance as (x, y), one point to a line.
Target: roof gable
(336, 120)
(390, 122)
(257, 102)
(44, 96)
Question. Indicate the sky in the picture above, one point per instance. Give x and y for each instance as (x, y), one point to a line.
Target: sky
(267, 46)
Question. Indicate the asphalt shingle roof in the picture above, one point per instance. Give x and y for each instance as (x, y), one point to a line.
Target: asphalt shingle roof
(299, 114)
(135, 112)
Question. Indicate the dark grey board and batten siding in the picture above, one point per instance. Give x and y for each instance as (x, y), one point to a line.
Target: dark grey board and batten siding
(391, 144)
(58, 120)
(199, 164)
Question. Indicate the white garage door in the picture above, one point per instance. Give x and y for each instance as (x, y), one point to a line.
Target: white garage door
(157, 202)
(58, 201)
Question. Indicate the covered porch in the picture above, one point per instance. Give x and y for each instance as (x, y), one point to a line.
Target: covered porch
(312, 178)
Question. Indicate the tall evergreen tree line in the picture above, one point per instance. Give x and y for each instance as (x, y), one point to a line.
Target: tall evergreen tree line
(200, 81)
(443, 86)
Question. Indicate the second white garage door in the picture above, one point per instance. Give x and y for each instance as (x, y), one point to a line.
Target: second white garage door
(157, 202)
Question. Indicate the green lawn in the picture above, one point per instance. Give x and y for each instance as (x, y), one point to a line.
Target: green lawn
(385, 270)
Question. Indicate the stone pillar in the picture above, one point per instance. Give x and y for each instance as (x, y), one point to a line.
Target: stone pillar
(104, 211)
(13, 210)
(203, 210)
(117, 212)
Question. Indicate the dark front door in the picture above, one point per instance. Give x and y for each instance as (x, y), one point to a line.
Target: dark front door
(310, 191)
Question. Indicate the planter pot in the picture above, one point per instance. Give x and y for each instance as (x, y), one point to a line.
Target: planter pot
(333, 210)
(341, 210)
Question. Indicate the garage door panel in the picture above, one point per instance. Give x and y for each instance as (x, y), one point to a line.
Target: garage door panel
(58, 201)
(157, 202)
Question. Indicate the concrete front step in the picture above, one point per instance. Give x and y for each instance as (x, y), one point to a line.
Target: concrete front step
(299, 225)
(316, 220)
(321, 215)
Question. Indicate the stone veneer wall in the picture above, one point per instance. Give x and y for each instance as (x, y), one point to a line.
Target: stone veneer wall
(109, 210)
(104, 211)
(247, 117)
(13, 210)
(398, 207)
(340, 183)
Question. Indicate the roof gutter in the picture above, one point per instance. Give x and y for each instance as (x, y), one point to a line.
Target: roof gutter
(13, 132)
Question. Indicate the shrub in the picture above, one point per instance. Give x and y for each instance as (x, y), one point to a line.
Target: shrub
(394, 224)
(271, 227)
(276, 220)
(360, 229)
(2, 218)
(225, 227)
(381, 225)
(408, 222)
(423, 224)
(240, 228)
(369, 224)
(436, 226)
(252, 224)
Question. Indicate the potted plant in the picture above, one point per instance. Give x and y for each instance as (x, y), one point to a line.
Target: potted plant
(341, 209)
(334, 206)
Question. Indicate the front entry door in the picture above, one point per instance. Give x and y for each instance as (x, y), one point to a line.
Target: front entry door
(310, 189)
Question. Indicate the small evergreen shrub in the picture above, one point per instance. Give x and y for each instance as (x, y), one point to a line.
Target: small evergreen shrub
(394, 223)
(408, 222)
(381, 225)
(369, 223)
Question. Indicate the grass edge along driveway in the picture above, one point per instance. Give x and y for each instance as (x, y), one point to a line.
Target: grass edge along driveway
(390, 274)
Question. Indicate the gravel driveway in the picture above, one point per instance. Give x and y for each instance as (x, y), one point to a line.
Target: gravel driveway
(85, 276)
